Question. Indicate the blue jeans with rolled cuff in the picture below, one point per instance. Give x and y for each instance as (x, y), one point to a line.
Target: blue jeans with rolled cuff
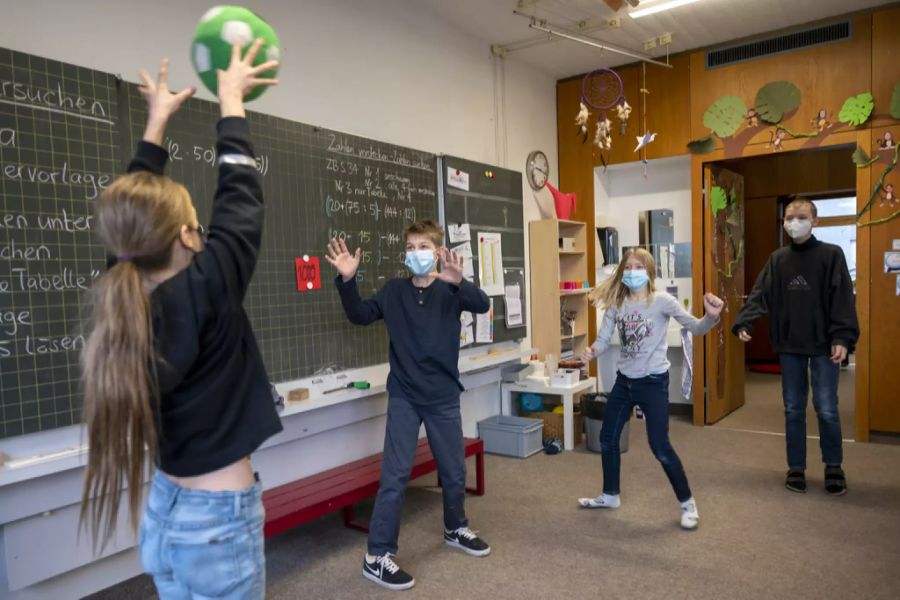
(651, 394)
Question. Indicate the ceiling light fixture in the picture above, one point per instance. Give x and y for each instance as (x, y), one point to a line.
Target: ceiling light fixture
(665, 5)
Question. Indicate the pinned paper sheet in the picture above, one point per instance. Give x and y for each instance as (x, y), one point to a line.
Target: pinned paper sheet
(466, 318)
(459, 232)
(466, 336)
(513, 300)
(484, 326)
(465, 250)
(458, 179)
(490, 262)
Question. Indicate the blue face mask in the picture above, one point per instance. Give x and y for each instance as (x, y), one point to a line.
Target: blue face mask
(420, 262)
(635, 279)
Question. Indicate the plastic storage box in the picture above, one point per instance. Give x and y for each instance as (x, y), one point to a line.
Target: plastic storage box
(511, 436)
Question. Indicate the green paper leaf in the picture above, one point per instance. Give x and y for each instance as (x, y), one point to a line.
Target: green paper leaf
(725, 115)
(857, 109)
(718, 200)
(702, 146)
(861, 159)
(776, 98)
(895, 102)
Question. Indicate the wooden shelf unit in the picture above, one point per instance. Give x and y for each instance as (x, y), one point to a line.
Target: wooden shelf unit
(550, 266)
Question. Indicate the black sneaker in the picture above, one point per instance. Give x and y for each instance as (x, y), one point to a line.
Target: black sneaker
(835, 480)
(796, 481)
(387, 573)
(466, 540)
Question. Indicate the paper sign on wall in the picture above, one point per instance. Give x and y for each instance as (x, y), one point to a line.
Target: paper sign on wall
(458, 179)
(892, 262)
(459, 232)
(513, 299)
(465, 251)
(490, 263)
(484, 326)
(308, 275)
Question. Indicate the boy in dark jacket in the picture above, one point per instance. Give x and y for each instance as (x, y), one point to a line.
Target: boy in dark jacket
(807, 292)
(422, 317)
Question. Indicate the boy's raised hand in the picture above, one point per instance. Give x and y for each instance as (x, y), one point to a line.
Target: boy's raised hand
(713, 305)
(451, 267)
(341, 259)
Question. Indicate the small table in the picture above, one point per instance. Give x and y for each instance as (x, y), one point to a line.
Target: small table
(568, 394)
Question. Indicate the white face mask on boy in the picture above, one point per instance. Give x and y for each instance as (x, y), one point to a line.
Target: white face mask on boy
(798, 228)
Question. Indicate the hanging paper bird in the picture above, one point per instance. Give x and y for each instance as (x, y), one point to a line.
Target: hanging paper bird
(643, 140)
(602, 136)
(582, 120)
(623, 111)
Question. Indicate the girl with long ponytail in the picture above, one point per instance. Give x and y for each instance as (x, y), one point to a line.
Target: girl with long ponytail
(172, 375)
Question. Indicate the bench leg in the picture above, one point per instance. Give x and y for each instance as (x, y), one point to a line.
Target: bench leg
(478, 490)
(351, 523)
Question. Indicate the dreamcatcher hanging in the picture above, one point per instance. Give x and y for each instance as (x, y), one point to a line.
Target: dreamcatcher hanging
(601, 89)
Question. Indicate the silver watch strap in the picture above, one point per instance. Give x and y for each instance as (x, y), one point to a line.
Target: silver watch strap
(236, 159)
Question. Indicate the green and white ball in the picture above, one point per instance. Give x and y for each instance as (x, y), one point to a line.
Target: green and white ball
(221, 27)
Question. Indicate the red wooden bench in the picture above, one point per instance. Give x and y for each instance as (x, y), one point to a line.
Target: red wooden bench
(340, 488)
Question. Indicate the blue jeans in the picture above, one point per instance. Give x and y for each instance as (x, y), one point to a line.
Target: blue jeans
(443, 425)
(795, 369)
(198, 544)
(652, 395)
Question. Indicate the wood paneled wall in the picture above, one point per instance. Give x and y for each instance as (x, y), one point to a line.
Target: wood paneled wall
(827, 76)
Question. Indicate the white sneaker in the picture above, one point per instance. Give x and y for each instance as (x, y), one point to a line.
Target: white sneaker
(601, 501)
(690, 518)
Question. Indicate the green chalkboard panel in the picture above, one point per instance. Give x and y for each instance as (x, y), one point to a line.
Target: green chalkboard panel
(66, 131)
(489, 200)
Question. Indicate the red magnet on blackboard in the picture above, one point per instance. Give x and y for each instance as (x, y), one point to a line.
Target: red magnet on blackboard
(308, 274)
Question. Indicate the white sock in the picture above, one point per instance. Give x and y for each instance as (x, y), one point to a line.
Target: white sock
(601, 501)
(370, 558)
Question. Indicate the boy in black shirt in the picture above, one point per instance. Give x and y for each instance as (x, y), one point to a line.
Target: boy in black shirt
(422, 317)
(807, 291)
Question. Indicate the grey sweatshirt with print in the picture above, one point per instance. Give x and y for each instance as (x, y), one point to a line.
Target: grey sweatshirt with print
(642, 329)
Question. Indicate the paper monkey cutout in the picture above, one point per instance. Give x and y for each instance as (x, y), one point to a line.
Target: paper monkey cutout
(821, 122)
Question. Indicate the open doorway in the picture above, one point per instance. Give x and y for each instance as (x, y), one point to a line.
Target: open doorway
(828, 178)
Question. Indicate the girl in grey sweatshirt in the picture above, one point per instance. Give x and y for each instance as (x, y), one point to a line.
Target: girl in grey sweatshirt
(641, 316)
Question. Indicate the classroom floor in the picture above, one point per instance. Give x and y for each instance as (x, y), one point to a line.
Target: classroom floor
(763, 408)
(756, 539)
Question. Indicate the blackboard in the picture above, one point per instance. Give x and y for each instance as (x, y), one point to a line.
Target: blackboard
(58, 147)
(82, 126)
(492, 204)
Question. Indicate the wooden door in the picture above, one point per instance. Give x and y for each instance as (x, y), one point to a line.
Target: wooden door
(724, 252)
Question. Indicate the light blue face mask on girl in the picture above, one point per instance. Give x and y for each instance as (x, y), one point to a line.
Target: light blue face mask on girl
(635, 279)
(420, 262)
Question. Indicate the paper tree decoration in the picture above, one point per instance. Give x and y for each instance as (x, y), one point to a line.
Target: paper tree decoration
(725, 115)
(703, 145)
(857, 109)
(718, 200)
(775, 99)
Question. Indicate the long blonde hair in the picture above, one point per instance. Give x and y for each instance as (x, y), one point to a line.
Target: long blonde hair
(138, 218)
(612, 291)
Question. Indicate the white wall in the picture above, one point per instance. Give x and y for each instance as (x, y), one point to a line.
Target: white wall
(387, 70)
